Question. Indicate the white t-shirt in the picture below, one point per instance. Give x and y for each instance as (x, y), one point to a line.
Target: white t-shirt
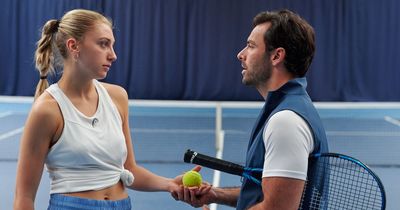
(288, 141)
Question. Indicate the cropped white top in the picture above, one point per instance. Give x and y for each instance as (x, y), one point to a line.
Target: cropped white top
(91, 151)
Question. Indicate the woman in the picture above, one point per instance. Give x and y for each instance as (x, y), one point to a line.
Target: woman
(79, 127)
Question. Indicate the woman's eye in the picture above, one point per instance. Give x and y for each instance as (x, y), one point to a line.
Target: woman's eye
(103, 44)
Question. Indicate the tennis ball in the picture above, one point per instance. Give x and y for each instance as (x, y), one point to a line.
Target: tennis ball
(191, 179)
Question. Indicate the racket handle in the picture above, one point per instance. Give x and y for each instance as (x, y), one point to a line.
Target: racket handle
(213, 163)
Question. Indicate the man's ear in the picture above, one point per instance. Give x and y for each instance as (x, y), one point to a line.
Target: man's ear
(278, 56)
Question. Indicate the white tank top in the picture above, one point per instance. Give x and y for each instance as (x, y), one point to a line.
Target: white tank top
(91, 151)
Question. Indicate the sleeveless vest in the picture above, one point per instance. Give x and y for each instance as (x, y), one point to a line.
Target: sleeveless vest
(291, 96)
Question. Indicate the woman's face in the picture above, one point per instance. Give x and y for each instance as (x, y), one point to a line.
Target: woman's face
(96, 53)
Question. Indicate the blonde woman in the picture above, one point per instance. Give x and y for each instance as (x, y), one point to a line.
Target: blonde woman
(79, 127)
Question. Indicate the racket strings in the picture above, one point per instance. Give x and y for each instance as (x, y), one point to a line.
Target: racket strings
(341, 184)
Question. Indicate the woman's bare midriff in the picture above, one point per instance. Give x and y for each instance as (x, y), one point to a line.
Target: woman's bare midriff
(115, 192)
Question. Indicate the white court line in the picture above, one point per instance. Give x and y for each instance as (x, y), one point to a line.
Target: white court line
(5, 114)
(189, 131)
(259, 104)
(392, 120)
(357, 105)
(361, 133)
(11, 133)
(16, 99)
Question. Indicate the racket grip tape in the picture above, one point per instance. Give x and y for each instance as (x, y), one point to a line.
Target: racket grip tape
(213, 163)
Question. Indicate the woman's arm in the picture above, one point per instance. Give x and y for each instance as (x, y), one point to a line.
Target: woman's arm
(144, 179)
(39, 130)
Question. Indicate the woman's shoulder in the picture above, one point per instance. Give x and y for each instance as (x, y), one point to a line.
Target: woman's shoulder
(45, 113)
(46, 105)
(118, 95)
(115, 91)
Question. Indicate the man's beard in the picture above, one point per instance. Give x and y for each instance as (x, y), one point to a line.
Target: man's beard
(260, 75)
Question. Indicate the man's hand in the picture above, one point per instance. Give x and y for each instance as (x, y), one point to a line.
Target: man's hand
(193, 195)
(199, 196)
(205, 207)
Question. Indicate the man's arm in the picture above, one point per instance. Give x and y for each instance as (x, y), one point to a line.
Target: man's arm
(227, 196)
(288, 141)
(280, 193)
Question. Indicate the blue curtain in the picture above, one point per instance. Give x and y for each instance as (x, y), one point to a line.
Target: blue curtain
(186, 49)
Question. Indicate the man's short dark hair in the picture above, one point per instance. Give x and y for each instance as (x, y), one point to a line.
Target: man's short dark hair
(289, 31)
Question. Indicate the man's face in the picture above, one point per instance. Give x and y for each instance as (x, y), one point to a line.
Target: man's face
(255, 61)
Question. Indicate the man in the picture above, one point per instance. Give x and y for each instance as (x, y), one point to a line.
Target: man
(275, 60)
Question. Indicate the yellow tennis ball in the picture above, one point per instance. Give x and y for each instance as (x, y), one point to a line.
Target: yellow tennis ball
(191, 179)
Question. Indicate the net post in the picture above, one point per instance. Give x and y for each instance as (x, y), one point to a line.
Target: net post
(219, 145)
(218, 125)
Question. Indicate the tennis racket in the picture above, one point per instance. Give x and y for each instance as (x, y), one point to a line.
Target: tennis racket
(334, 181)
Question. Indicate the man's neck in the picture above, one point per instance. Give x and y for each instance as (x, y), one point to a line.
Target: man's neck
(276, 81)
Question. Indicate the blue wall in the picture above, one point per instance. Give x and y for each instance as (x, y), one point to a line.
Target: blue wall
(186, 49)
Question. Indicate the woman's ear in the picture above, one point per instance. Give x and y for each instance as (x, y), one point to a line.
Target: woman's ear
(73, 48)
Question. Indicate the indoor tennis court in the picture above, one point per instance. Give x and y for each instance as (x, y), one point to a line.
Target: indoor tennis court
(163, 131)
(182, 66)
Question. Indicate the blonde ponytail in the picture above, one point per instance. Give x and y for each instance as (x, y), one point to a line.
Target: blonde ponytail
(44, 56)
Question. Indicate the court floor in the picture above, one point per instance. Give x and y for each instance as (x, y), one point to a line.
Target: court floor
(161, 134)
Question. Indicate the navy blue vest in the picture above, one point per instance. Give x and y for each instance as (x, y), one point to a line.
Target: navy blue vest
(291, 96)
